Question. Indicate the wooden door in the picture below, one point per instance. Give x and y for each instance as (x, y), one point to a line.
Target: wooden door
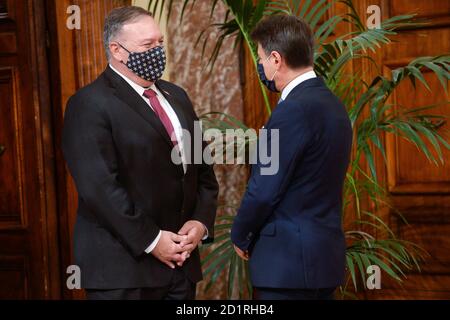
(420, 190)
(29, 257)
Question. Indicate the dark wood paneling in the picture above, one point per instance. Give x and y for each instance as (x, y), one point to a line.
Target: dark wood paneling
(418, 188)
(29, 255)
(3, 9)
(415, 287)
(437, 12)
(8, 42)
(11, 213)
(14, 276)
(415, 174)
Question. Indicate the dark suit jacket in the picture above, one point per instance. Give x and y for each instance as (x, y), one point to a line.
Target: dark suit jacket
(119, 155)
(291, 222)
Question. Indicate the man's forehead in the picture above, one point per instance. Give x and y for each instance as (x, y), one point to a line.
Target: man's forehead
(143, 29)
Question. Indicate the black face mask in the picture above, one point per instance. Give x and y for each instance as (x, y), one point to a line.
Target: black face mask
(148, 65)
(270, 84)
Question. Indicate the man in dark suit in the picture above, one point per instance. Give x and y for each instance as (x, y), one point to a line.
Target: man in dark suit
(289, 223)
(142, 211)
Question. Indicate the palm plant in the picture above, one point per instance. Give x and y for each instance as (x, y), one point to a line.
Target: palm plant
(370, 240)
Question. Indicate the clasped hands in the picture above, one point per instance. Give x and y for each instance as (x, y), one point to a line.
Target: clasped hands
(175, 248)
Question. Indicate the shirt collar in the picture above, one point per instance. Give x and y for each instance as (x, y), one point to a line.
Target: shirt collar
(140, 90)
(291, 85)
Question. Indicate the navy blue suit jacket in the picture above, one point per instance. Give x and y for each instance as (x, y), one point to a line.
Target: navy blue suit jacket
(291, 221)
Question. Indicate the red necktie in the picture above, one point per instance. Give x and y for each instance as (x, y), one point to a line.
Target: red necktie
(151, 95)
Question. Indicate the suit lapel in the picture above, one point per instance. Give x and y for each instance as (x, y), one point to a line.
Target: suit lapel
(130, 97)
(176, 105)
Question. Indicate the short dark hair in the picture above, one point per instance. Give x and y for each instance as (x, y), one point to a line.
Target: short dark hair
(116, 19)
(290, 36)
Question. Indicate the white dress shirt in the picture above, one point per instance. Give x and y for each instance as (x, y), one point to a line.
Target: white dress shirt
(178, 129)
(291, 85)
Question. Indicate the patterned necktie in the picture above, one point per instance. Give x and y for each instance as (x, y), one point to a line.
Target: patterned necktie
(151, 95)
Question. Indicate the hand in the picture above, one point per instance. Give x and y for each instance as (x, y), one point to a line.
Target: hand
(240, 253)
(194, 231)
(169, 250)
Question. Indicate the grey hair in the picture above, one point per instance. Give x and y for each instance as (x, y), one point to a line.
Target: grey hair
(115, 21)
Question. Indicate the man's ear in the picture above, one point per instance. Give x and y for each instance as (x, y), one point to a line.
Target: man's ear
(277, 57)
(116, 52)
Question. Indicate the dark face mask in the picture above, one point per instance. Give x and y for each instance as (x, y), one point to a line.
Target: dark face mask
(148, 65)
(270, 84)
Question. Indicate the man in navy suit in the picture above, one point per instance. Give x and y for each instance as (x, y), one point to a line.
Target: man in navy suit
(289, 223)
